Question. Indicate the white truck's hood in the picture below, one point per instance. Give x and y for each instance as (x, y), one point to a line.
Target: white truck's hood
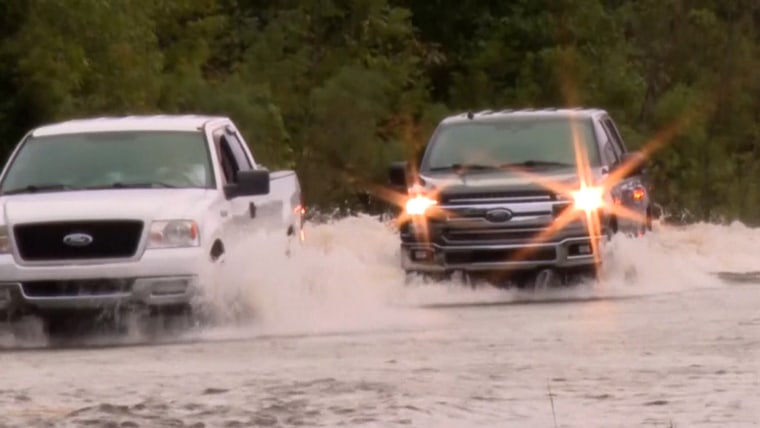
(143, 204)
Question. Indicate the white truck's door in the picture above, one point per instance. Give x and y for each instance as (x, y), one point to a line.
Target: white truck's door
(246, 213)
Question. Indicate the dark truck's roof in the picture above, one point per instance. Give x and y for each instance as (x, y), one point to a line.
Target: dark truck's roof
(524, 113)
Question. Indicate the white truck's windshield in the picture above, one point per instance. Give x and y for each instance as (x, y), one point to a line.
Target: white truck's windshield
(516, 141)
(112, 159)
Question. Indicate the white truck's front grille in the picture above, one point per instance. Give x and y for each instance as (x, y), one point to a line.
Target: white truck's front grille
(108, 239)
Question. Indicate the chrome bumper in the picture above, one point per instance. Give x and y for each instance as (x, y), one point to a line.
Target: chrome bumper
(81, 295)
(568, 253)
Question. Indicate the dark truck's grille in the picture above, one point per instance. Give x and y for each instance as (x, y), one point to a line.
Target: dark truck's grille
(466, 198)
(440, 233)
(528, 254)
(110, 239)
(464, 236)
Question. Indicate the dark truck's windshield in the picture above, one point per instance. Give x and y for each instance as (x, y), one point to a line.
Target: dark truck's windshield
(531, 142)
(110, 159)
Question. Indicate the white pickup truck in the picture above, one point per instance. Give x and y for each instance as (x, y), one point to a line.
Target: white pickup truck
(130, 211)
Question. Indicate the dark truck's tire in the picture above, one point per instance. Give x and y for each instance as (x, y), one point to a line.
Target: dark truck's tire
(542, 279)
(410, 277)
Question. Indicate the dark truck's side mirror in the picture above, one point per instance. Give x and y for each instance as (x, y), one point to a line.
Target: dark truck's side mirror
(252, 182)
(636, 163)
(398, 174)
(401, 173)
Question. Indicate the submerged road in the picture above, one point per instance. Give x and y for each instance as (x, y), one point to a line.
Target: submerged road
(683, 359)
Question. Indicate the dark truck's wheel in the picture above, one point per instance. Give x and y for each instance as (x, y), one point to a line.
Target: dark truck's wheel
(544, 279)
(551, 278)
(410, 276)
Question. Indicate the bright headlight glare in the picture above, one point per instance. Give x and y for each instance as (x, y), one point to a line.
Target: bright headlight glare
(588, 198)
(418, 205)
(5, 240)
(174, 234)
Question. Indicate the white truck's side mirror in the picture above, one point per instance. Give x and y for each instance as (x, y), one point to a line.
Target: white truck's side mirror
(249, 183)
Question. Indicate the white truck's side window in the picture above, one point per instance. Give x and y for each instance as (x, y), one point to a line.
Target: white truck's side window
(227, 162)
(231, 153)
(239, 154)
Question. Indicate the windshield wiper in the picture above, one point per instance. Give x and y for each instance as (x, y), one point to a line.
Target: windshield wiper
(461, 166)
(144, 185)
(32, 188)
(458, 167)
(532, 163)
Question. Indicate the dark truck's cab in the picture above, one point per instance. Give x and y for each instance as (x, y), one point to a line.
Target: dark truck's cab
(519, 192)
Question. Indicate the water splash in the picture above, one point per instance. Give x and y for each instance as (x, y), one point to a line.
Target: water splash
(346, 276)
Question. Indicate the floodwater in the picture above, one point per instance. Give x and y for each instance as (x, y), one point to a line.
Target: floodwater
(339, 340)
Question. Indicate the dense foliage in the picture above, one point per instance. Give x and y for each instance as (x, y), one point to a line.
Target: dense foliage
(337, 88)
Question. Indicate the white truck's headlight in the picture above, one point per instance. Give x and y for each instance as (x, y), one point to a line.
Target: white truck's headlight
(588, 198)
(5, 241)
(174, 234)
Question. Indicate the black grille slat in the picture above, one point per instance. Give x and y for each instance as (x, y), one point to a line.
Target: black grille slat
(490, 235)
(111, 239)
(466, 197)
(90, 287)
(502, 255)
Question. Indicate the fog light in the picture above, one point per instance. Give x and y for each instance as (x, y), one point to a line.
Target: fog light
(579, 250)
(422, 255)
(5, 295)
(164, 288)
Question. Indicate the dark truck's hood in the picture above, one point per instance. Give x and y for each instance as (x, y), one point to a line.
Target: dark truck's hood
(532, 179)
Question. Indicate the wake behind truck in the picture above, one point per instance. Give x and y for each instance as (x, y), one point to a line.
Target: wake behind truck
(527, 196)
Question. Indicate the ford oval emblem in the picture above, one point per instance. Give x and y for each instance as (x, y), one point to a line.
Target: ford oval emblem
(77, 239)
(498, 215)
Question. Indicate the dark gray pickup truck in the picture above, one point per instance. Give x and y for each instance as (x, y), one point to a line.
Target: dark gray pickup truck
(526, 195)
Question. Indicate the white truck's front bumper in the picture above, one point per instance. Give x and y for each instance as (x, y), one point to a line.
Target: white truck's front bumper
(160, 277)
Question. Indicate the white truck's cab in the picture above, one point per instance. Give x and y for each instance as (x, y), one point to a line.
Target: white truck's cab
(130, 210)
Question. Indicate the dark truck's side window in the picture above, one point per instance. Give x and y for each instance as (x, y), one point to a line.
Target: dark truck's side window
(610, 157)
(617, 140)
(611, 149)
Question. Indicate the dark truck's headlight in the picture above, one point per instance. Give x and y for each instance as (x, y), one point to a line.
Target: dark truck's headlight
(588, 198)
(418, 205)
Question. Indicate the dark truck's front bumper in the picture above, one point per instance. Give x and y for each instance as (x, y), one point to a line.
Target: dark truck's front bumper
(439, 247)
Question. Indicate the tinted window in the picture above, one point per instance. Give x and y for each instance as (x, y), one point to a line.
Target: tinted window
(498, 142)
(237, 151)
(101, 159)
(615, 135)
